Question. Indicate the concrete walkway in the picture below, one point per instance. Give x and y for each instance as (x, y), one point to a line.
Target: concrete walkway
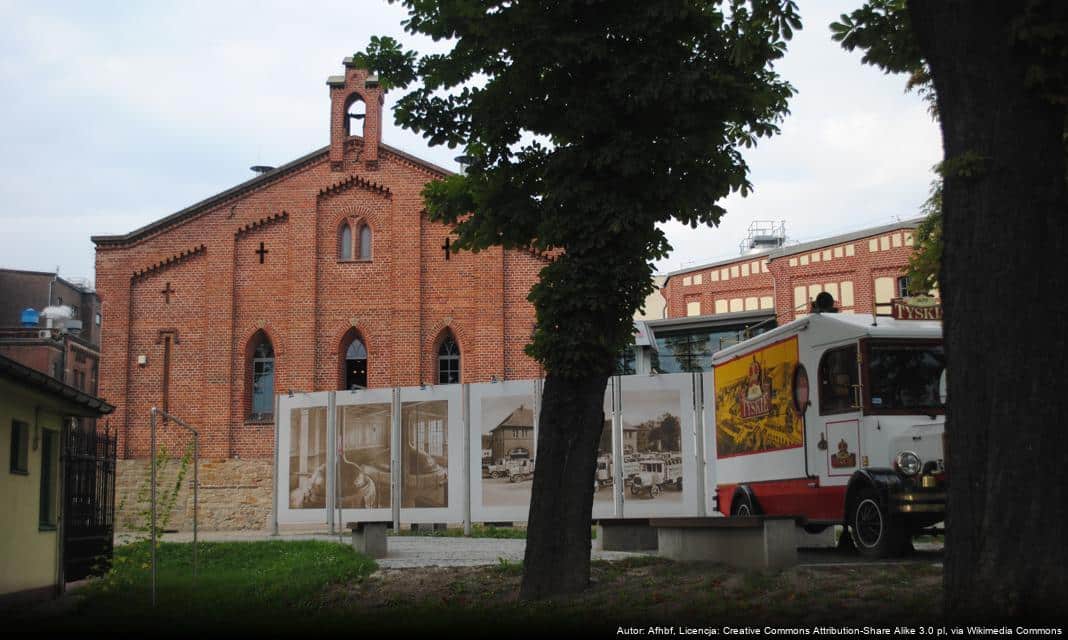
(405, 551)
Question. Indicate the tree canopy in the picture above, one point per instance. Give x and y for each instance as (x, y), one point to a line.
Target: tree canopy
(586, 124)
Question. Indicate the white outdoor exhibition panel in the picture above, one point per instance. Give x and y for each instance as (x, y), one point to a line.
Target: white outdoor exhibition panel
(490, 403)
(364, 397)
(284, 442)
(454, 512)
(605, 503)
(708, 436)
(644, 400)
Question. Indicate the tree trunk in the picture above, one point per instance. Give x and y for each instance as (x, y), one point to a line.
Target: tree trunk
(1004, 240)
(557, 557)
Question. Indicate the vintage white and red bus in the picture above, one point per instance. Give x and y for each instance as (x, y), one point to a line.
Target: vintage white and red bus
(837, 419)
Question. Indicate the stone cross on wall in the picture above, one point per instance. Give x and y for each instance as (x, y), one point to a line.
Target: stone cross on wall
(262, 252)
(167, 291)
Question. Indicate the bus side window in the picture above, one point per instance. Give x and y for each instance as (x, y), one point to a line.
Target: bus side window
(838, 375)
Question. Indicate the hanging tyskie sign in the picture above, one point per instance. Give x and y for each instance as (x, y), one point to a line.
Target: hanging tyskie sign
(916, 308)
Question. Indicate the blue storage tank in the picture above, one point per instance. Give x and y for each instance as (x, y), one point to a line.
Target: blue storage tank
(30, 317)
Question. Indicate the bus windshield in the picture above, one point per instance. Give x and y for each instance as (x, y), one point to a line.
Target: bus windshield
(905, 376)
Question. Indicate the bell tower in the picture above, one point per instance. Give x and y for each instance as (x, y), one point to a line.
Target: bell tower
(355, 99)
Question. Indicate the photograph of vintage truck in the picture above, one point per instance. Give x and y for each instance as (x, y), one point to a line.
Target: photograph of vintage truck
(652, 447)
(507, 450)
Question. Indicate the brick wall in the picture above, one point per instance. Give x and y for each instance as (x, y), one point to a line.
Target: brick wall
(305, 299)
(787, 280)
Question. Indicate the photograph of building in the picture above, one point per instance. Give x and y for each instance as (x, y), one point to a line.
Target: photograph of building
(508, 437)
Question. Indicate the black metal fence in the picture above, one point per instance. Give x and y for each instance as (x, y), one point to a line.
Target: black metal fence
(89, 514)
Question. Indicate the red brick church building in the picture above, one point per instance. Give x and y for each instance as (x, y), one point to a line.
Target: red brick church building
(320, 274)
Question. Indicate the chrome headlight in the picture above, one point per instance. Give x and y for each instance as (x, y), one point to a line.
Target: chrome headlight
(908, 463)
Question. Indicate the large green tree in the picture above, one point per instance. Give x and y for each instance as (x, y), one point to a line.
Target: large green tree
(1000, 76)
(587, 123)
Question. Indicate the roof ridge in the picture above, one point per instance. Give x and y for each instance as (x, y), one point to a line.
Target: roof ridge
(205, 205)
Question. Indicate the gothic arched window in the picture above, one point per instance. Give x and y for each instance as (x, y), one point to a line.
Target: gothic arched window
(261, 383)
(449, 361)
(356, 364)
(365, 242)
(344, 242)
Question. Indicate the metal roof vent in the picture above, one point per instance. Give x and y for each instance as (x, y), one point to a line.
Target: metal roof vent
(763, 235)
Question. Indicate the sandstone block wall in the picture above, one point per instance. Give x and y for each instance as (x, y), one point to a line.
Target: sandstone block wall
(235, 495)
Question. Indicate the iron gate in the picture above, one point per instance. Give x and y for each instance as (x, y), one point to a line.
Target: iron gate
(89, 515)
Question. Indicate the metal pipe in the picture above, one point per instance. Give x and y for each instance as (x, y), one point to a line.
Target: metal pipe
(196, 497)
(465, 405)
(152, 485)
(274, 489)
(615, 386)
(196, 490)
(396, 442)
(333, 473)
(698, 382)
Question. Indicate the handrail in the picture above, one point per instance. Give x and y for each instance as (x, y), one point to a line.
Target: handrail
(196, 483)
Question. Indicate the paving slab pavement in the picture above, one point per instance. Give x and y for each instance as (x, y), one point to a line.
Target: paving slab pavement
(405, 551)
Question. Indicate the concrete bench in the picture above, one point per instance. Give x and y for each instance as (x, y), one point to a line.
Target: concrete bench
(754, 542)
(369, 537)
(624, 534)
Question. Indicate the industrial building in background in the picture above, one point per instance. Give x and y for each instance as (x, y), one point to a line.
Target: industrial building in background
(51, 324)
(58, 492)
(711, 306)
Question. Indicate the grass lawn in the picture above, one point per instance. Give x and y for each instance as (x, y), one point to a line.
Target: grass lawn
(297, 588)
(265, 583)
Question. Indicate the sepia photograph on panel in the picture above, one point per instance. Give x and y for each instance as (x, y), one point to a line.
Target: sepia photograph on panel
(652, 446)
(507, 450)
(307, 458)
(425, 454)
(604, 477)
(363, 431)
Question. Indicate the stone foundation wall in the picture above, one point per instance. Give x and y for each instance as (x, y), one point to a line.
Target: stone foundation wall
(235, 495)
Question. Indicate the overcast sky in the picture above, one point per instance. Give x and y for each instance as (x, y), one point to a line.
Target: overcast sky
(118, 113)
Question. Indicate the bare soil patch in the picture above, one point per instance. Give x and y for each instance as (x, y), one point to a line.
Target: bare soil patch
(647, 591)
